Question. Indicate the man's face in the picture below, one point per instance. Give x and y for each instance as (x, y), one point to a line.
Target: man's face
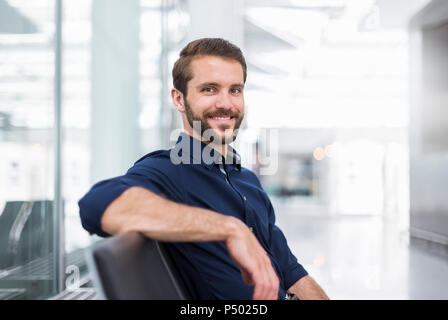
(215, 96)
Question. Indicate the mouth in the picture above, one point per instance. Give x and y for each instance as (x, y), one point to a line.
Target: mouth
(222, 119)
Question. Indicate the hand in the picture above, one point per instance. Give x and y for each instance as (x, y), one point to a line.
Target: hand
(254, 263)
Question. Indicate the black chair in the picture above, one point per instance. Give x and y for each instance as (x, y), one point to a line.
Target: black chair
(133, 267)
(25, 232)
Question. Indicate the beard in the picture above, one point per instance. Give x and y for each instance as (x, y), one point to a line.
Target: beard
(205, 127)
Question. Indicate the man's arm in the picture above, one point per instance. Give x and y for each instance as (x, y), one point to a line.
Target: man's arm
(307, 289)
(138, 209)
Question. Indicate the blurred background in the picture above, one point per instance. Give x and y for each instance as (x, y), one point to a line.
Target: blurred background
(356, 92)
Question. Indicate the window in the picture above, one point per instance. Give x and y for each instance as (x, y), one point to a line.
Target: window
(27, 149)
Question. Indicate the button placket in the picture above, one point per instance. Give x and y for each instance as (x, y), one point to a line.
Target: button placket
(245, 217)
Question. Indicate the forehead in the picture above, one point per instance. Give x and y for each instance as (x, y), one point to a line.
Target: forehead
(216, 69)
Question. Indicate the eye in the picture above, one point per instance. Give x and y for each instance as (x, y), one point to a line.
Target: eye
(208, 90)
(236, 90)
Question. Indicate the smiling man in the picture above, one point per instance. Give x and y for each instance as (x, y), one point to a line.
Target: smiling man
(217, 220)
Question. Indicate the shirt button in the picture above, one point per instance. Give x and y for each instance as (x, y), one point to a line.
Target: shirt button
(244, 197)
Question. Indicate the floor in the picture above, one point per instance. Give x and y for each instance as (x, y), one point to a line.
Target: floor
(363, 257)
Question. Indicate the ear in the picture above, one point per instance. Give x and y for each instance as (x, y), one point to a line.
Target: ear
(178, 99)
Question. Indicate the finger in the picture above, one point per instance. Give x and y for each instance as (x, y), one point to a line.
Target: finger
(262, 290)
(258, 282)
(268, 279)
(258, 290)
(272, 280)
(275, 286)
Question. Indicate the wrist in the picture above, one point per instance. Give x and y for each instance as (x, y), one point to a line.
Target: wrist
(233, 228)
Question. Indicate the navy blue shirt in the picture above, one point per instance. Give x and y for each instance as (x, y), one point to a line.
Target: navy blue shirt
(195, 174)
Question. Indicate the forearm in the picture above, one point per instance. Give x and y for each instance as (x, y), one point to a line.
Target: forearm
(138, 209)
(307, 289)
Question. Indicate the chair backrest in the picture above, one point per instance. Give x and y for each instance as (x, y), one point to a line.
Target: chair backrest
(133, 267)
(25, 232)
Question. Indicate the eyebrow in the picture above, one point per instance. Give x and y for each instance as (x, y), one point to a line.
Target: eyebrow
(215, 84)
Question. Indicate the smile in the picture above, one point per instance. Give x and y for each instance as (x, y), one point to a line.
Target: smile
(221, 118)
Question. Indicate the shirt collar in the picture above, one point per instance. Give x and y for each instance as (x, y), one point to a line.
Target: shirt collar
(200, 153)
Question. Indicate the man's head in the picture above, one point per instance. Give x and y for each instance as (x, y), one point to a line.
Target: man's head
(217, 47)
(208, 81)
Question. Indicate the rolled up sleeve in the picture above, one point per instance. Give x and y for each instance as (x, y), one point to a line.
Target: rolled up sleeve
(98, 198)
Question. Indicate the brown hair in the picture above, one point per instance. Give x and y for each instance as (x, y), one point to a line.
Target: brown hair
(203, 47)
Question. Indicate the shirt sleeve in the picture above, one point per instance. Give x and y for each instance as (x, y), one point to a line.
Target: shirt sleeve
(95, 202)
(291, 269)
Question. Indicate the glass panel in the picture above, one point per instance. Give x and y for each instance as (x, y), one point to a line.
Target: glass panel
(27, 130)
(150, 81)
(87, 121)
(76, 35)
(26, 148)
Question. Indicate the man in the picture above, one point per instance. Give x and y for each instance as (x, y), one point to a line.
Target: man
(217, 220)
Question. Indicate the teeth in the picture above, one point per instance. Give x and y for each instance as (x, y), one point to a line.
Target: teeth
(221, 118)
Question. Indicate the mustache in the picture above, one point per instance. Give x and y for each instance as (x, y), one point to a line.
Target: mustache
(222, 114)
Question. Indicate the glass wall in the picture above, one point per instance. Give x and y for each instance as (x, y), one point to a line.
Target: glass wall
(75, 153)
(27, 148)
(113, 75)
(111, 102)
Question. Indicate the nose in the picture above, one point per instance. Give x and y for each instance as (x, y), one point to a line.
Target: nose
(223, 101)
